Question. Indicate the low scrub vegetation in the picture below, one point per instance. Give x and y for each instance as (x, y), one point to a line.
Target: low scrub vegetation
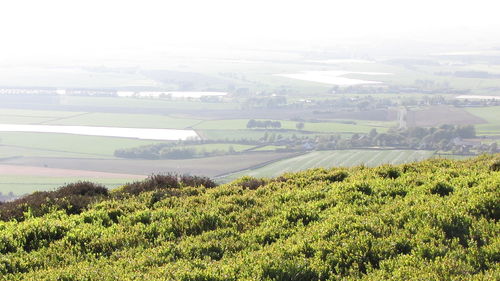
(72, 198)
(168, 181)
(431, 220)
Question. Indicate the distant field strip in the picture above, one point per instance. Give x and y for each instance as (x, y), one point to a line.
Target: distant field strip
(136, 133)
(335, 158)
(54, 172)
(25, 179)
(319, 127)
(63, 145)
(20, 185)
(492, 116)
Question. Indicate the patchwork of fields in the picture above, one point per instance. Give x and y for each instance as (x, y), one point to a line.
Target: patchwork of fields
(223, 122)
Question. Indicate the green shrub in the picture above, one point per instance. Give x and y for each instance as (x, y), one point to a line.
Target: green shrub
(442, 189)
(435, 220)
(167, 181)
(72, 198)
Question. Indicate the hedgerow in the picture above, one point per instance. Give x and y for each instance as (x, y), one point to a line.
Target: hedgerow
(432, 220)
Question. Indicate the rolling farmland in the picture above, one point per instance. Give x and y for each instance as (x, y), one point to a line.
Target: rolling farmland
(334, 158)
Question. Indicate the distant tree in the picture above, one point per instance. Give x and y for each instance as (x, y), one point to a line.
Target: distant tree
(467, 131)
(251, 124)
(299, 126)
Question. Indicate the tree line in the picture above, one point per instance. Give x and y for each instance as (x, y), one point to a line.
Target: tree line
(252, 123)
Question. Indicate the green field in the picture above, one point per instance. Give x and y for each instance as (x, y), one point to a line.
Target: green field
(320, 127)
(19, 116)
(148, 103)
(26, 184)
(492, 116)
(218, 146)
(333, 158)
(7, 151)
(269, 148)
(13, 116)
(60, 145)
(126, 120)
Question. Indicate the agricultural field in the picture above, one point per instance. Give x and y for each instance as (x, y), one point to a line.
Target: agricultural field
(218, 146)
(126, 120)
(43, 173)
(268, 148)
(166, 106)
(63, 145)
(439, 115)
(226, 118)
(20, 116)
(337, 158)
(492, 116)
(209, 166)
(15, 116)
(24, 179)
(335, 126)
(28, 184)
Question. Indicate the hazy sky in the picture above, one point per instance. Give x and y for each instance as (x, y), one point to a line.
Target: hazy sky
(31, 29)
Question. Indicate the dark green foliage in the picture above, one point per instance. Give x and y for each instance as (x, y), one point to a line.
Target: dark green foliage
(167, 181)
(337, 176)
(389, 172)
(195, 181)
(154, 182)
(72, 198)
(495, 167)
(251, 183)
(442, 189)
(252, 123)
(432, 220)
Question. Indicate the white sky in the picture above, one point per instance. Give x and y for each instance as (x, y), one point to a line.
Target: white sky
(29, 29)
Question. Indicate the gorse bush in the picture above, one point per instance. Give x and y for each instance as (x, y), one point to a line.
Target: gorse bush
(75, 197)
(495, 167)
(167, 181)
(72, 198)
(432, 220)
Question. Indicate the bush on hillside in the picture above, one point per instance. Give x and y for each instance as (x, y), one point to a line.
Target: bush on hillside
(495, 167)
(166, 181)
(72, 198)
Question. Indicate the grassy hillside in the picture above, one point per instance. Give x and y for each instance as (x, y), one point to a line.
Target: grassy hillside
(431, 220)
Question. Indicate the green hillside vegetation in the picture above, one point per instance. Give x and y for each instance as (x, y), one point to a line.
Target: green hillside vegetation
(431, 220)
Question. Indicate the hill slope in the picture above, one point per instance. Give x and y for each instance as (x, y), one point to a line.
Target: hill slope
(432, 220)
